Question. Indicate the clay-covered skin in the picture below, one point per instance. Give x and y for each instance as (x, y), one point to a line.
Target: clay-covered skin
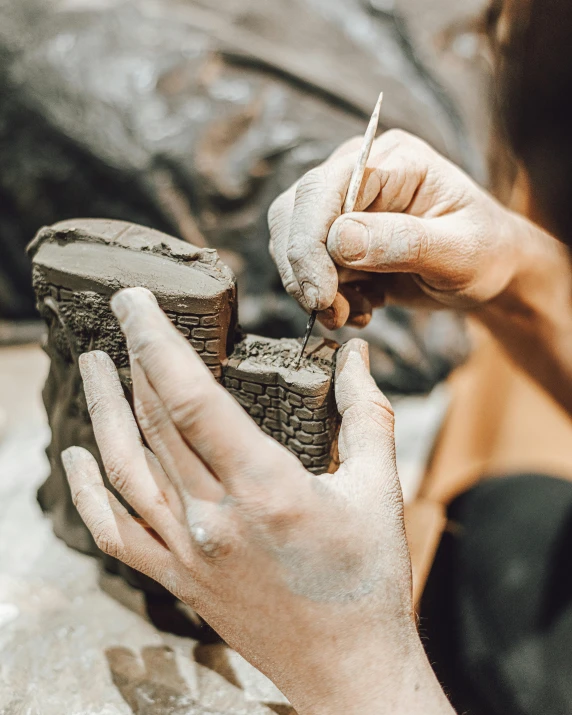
(425, 235)
(429, 236)
(77, 267)
(307, 576)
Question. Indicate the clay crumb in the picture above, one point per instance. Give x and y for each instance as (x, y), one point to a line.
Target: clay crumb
(282, 354)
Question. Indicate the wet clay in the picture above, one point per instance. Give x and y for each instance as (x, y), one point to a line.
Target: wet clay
(78, 265)
(295, 406)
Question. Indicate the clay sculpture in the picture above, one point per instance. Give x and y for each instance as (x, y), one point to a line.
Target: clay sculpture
(78, 265)
(295, 406)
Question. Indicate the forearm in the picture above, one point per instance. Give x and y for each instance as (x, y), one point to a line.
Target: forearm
(532, 317)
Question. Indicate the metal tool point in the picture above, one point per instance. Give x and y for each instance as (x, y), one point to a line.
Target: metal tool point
(309, 328)
(351, 197)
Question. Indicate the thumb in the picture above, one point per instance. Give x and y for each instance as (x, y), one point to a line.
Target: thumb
(366, 434)
(384, 243)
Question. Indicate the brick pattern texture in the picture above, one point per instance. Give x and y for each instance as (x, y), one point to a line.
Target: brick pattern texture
(306, 424)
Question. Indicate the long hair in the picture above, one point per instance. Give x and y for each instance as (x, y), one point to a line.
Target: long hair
(534, 61)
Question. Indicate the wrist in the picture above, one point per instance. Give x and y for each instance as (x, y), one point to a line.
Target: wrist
(538, 274)
(532, 317)
(378, 683)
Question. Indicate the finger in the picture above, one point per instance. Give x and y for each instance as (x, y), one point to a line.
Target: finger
(165, 485)
(212, 423)
(366, 432)
(122, 453)
(366, 440)
(115, 532)
(337, 314)
(387, 289)
(397, 169)
(353, 304)
(318, 202)
(360, 306)
(279, 220)
(190, 477)
(405, 166)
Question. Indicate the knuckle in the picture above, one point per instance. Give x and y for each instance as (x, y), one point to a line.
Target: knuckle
(152, 420)
(282, 516)
(409, 242)
(414, 242)
(296, 253)
(105, 539)
(147, 342)
(383, 409)
(292, 287)
(403, 139)
(117, 471)
(405, 146)
(313, 181)
(419, 246)
(376, 409)
(213, 546)
(80, 497)
(392, 183)
(97, 405)
(186, 407)
(160, 501)
(398, 136)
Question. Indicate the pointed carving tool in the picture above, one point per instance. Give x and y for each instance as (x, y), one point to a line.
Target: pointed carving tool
(351, 198)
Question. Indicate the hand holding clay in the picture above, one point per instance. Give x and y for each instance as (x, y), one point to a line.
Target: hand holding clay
(424, 233)
(307, 576)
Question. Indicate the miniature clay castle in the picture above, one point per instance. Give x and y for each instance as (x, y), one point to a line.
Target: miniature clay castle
(78, 265)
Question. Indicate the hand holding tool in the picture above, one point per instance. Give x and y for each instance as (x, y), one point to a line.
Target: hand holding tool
(351, 197)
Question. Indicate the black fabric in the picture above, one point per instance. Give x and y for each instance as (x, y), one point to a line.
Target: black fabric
(497, 611)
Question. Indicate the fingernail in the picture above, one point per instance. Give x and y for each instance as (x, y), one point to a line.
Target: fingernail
(350, 350)
(351, 240)
(361, 347)
(120, 305)
(86, 360)
(311, 295)
(94, 362)
(68, 458)
(123, 302)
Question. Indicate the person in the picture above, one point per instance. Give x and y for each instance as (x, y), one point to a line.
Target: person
(309, 576)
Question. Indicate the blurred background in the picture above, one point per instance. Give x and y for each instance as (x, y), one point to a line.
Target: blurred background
(190, 117)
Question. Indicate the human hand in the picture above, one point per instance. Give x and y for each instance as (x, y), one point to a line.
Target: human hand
(307, 576)
(424, 233)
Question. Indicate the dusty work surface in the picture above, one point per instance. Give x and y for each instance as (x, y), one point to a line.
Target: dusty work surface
(72, 642)
(75, 643)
